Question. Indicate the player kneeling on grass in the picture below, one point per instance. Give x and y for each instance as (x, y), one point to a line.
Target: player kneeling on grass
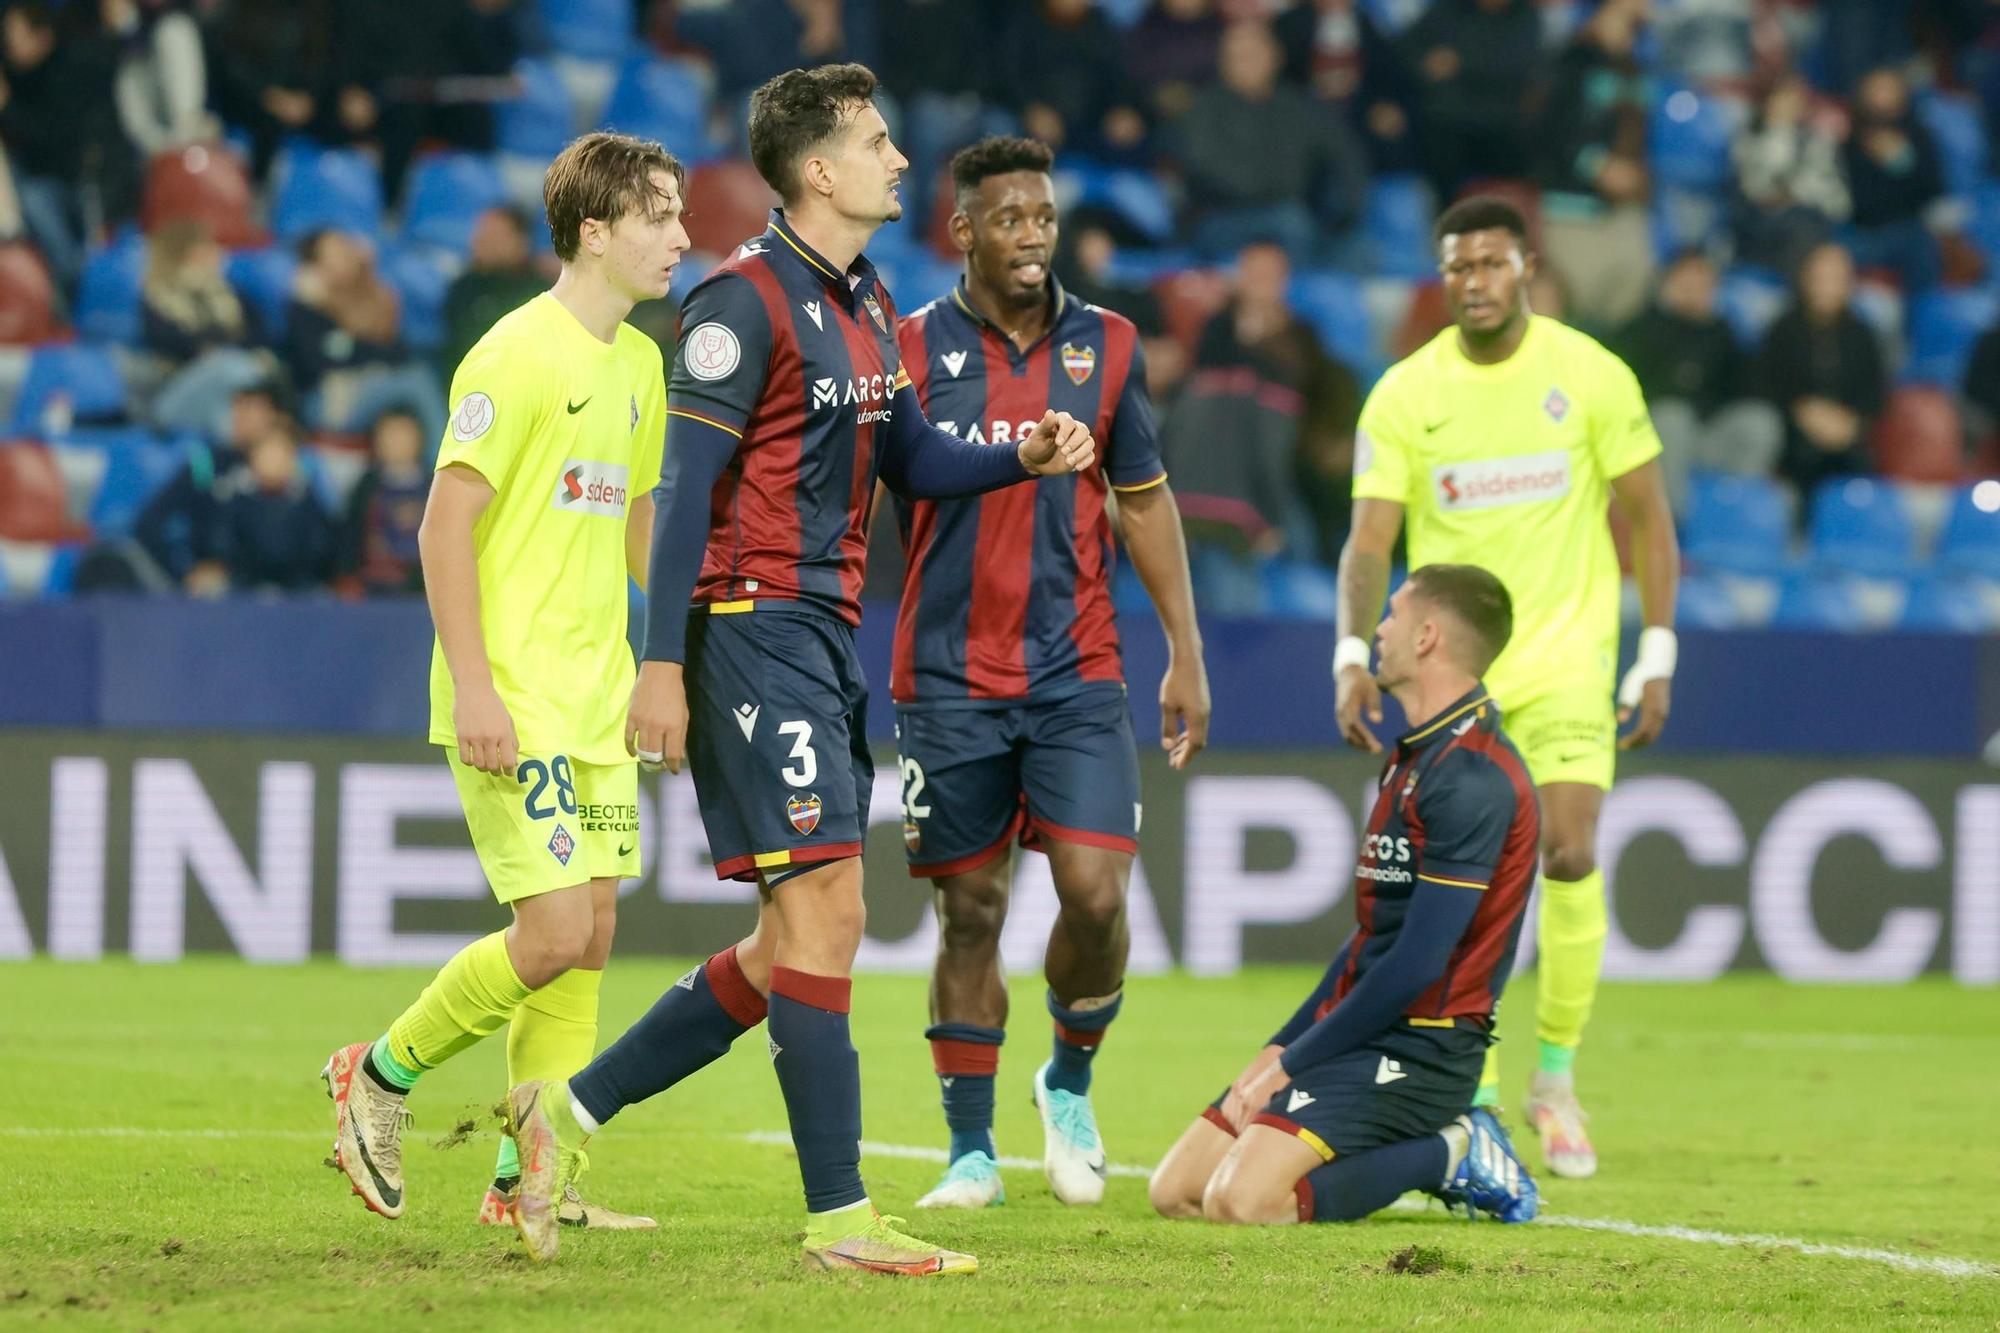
(1362, 1095)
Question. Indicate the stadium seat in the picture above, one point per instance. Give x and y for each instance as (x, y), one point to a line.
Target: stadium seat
(1859, 526)
(1749, 298)
(136, 465)
(1954, 122)
(27, 297)
(1918, 436)
(589, 29)
(446, 194)
(1970, 542)
(732, 204)
(1739, 525)
(1397, 223)
(1300, 590)
(65, 386)
(667, 100)
(1837, 601)
(34, 503)
(83, 466)
(1953, 604)
(107, 300)
(1333, 304)
(325, 187)
(263, 278)
(205, 182)
(1691, 133)
(541, 119)
(1134, 195)
(421, 275)
(1143, 268)
(1985, 224)
(1426, 317)
(1225, 583)
(1944, 325)
(1189, 299)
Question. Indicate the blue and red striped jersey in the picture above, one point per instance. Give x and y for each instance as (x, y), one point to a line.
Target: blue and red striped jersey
(1457, 808)
(797, 360)
(1007, 595)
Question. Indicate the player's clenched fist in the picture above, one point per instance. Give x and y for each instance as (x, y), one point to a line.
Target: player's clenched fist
(1356, 694)
(656, 726)
(1058, 444)
(485, 731)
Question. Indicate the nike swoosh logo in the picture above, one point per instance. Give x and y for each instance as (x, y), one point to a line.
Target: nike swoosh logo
(1432, 426)
(574, 408)
(624, 849)
(390, 1195)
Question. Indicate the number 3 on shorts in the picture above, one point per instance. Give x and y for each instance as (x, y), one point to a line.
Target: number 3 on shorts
(806, 769)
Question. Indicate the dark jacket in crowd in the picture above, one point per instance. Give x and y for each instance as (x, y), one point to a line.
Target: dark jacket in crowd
(1674, 356)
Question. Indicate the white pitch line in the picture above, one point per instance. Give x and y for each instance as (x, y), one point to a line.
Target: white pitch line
(1938, 1266)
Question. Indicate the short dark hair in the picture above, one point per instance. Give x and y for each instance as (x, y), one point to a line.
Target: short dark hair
(798, 111)
(1477, 599)
(997, 155)
(604, 176)
(1480, 212)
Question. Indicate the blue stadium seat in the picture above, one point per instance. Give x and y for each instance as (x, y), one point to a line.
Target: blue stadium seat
(1225, 583)
(1397, 222)
(1691, 133)
(1749, 298)
(1143, 268)
(325, 187)
(1944, 325)
(1128, 594)
(84, 374)
(1970, 541)
(263, 278)
(1985, 226)
(1707, 602)
(1336, 307)
(1834, 601)
(447, 193)
(1134, 195)
(1861, 526)
(661, 99)
(421, 275)
(538, 122)
(136, 465)
(589, 29)
(1738, 525)
(1954, 121)
(107, 301)
(1953, 604)
(1300, 590)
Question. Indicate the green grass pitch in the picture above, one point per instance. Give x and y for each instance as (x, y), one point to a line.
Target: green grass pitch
(162, 1134)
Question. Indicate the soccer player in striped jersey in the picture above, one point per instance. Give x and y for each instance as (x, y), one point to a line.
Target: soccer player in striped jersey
(1011, 715)
(788, 400)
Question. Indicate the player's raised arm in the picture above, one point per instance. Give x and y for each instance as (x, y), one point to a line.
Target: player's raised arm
(924, 463)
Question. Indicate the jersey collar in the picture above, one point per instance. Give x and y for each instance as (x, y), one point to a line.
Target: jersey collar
(851, 286)
(1063, 303)
(1474, 703)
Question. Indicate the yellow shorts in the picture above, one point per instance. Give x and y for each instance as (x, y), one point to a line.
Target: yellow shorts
(552, 825)
(1566, 736)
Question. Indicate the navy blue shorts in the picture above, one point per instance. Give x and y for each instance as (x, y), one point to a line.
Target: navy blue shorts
(974, 778)
(1407, 1083)
(777, 739)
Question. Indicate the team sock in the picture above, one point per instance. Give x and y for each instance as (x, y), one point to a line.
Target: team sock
(1557, 1061)
(1079, 1030)
(967, 1057)
(686, 1029)
(1571, 943)
(550, 1037)
(820, 1075)
(469, 999)
(1352, 1187)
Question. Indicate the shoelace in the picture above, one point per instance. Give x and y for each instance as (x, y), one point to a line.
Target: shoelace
(388, 1117)
(571, 1163)
(1073, 1119)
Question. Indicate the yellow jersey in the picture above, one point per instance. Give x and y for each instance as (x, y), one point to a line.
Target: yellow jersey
(566, 429)
(1509, 467)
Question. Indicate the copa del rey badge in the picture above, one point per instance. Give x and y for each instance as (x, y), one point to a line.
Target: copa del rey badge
(803, 811)
(1079, 362)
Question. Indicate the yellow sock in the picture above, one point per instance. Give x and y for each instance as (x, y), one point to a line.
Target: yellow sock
(1572, 954)
(1489, 1080)
(468, 1000)
(553, 1034)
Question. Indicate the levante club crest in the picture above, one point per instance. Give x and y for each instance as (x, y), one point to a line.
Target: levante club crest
(875, 311)
(803, 811)
(1079, 362)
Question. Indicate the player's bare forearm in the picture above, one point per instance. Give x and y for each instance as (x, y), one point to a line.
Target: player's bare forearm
(1364, 565)
(458, 497)
(1150, 523)
(639, 538)
(1641, 495)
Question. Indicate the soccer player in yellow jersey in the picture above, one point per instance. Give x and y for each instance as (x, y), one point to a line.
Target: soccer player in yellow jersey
(541, 507)
(1501, 442)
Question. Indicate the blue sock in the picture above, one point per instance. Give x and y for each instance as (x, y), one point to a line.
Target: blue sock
(1350, 1188)
(1078, 1033)
(689, 1026)
(967, 1057)
(820, 1076)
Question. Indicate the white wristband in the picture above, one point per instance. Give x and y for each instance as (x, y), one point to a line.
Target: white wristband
(1659, 653)
(1350, 651)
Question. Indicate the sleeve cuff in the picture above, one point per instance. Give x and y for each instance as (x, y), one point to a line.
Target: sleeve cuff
(1139, 485)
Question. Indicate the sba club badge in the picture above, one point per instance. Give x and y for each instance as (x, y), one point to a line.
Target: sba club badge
(1556, 406)
(803, 811)
(561, 845)
(1079, 362)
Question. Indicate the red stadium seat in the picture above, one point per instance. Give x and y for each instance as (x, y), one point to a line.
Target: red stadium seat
(27, 298)
(1424, 320)
(33, 507)
(1524, 195)
(1918, 437)
(208, 184)
(728, 203)
(1188, 300)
